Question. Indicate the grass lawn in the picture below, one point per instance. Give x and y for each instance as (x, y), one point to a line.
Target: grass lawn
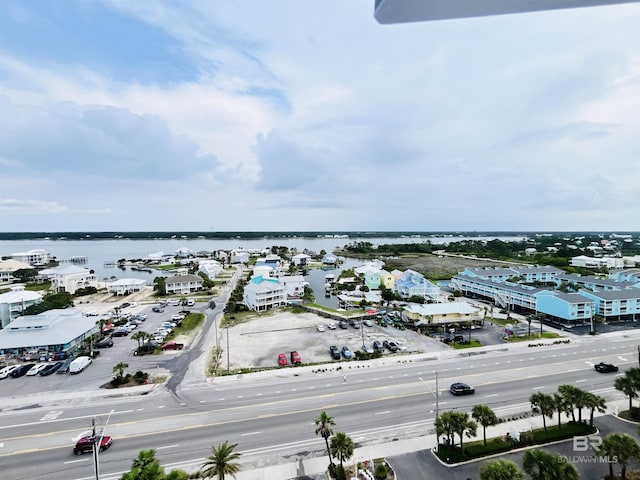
(534, 336)
(460, 346)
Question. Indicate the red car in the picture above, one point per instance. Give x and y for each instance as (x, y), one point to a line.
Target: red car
(295, 358)
(282, 359)
(85, 444)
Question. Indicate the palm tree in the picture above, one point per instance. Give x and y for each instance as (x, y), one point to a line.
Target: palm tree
(462, 425)
(341, 447)
(542, 465)
(628, 384)
(621, 448)
(443, 426)
(544, 404)
(323, 428)
(139, 337)
(119, 369)
(500, 470)
(219, 463)
(560, 406)
(570, 396)
(485, 417)
(595, 402)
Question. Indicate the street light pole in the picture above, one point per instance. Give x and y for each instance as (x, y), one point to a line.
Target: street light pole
(96, 447)
(228, 365)
(437, 397)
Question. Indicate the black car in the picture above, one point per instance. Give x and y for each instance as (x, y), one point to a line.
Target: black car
(461, 389)
(106, 342)
(335, 352)
(51, 368)
(391, 345)
(343, 324)
(605, 367)
(120, 332)
(22, 370)
(64, 368)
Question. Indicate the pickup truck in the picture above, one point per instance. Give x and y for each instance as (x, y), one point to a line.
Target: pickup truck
(172, 346)
(295, 358)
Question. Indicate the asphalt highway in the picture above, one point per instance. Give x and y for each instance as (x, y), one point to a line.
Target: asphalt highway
(271, 417)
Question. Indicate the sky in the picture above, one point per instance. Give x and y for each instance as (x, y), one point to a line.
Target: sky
(292, 115)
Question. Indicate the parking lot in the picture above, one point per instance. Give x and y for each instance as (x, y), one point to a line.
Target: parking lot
(257, 343)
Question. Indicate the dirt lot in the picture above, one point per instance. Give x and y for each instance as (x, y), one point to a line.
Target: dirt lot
(258, 342)
(434, 266)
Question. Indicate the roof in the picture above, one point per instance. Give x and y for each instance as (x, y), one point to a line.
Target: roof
(574, 277)
(128, 281)
(53, 327)
(402, 11)
(19, 295)
(183, 279)
(626, 294)
(570, 297)
(64, 269)
(12, 265)
(441, 308)
(264, 287)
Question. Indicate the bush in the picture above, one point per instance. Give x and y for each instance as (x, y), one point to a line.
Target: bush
(381, 472)
(340, 473)
(140, 377)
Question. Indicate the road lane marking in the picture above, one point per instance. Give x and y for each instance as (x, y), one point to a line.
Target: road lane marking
(249, 433)
(491, 395)
(168, 446)
(583, 380)
(383, 413)
(538, 388)
(76, 461)
(51, 415)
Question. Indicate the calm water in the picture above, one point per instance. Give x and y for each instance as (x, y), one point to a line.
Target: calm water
(99, 252)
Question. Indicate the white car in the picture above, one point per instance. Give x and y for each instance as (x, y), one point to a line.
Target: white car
(367, 323)
(320, 328)
(6, 371)
(36, 369)
(177, 317)
(133, 304)
(367, 348)
(331, 326)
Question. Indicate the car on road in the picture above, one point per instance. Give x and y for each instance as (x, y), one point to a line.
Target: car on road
(157, 309)
(106, 342)
(295, 358)
(282, 359)
(36, 369)
(605, 367)
(377, 345)
(346, 352)
(22, 370)
(460, 388)
(85, 444)
(50, 368)
(335, 352)
(320, 327)
(331, 326)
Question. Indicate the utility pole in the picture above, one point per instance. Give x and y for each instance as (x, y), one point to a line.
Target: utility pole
(97, 440)
(437, 397)
(228, 365)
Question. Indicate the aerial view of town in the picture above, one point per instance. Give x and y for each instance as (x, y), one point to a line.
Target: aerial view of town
(319, 240)
(461, 348)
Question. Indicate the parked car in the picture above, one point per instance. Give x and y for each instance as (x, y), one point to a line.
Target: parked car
(21, 370)
(172, 346)
(295, 358)
(367, 348)
(145, 348)
(320, 327)
(367, 323)
(51, 368)
(191, 302)
(282, 359)
(85, 444)
(335, 352)
(605, 367)
(79, 364)
(343, 324)
(355, 324)
(390, 345)
(36, 369)
(6, 371)
(377, 345)
(125, 305)
(120, 332)
(157, 309)
(331, 326)
(460, 388)
(346, 353)
(64, 368)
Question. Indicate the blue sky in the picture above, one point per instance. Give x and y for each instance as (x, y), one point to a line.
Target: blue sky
(309, 115)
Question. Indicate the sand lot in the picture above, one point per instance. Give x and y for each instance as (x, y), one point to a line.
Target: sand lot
(258, 342)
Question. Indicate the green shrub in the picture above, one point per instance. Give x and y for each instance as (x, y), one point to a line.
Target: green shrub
(381, 472)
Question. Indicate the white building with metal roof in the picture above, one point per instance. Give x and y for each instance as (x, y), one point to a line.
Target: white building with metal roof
(13, 303)
(52, 331)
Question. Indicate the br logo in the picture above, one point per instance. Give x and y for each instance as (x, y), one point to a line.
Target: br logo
(584, 443)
